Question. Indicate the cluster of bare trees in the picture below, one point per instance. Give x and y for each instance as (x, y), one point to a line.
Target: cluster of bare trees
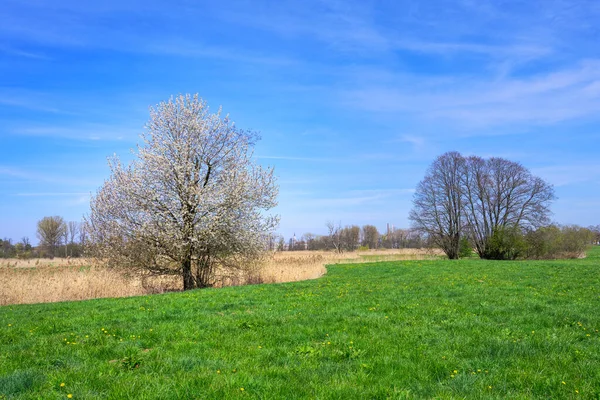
(56, 238)
(479, 200)
(350, 238)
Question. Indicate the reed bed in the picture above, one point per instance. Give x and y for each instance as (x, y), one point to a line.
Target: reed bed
(64, 279)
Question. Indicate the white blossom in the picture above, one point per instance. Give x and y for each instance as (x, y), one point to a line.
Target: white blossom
(192, 200)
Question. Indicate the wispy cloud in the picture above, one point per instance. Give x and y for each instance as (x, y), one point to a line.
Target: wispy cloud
(543, 98)
(23, 53)
(565, 175)
(90, 132)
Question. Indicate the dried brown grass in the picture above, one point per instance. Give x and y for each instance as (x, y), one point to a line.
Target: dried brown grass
(60, 279)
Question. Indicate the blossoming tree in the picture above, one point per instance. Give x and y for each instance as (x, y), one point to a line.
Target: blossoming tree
(192, 201)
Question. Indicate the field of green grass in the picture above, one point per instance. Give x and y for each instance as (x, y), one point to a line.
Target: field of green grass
(404, 329)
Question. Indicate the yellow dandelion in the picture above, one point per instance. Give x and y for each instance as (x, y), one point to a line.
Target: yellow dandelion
(62, 384)
(489, 387)
(563, 382)
(242, 389)
(451, 376)
(69, 396)
(576, 391)
(218, 371)
(455, 371)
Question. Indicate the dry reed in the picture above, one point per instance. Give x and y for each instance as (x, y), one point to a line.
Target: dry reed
(60, 279)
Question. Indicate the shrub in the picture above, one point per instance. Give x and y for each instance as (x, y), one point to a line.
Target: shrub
(554, 241)
(465, 249)
(506, 243)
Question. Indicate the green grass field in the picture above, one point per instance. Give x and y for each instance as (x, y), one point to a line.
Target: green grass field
(407, 329)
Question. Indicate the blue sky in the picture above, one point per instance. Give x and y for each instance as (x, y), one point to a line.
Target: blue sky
(353, 99)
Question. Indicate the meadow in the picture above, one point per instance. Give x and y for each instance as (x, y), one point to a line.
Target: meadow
(392, 329)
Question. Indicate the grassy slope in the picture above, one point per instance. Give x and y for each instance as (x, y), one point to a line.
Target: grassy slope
(427, 329)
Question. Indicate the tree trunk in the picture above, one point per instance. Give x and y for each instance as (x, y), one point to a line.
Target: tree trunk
(188, 277)
(204, 271)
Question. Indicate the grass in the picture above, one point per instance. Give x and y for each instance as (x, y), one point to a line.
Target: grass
(62, 279)
(403, 329)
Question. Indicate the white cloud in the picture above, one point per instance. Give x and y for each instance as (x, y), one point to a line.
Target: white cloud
(544, 98)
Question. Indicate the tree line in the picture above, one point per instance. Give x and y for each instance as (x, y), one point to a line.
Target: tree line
(495, 206)
(57, 238)
(350, 238)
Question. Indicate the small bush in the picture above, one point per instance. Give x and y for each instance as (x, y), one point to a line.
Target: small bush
(506, 243)
(465, 249)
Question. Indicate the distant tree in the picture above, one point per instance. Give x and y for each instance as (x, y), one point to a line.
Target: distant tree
(596, 233)
(281, 244)
(334, 236)
(350, 237)
(83, 233)
(23, 249)
(437, 203)
(501, 197)
(7, 249)
(370, 236)
(26, 243)
(309, 238)
(193, 201)
(72, 230)
(50, 232)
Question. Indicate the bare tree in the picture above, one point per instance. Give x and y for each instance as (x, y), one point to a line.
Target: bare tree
(191, 202)
(83, 233)
(370, 236)
(350, 237)
(437, 203)
(73, 228)
(50, 232)
(499, 196)
(335, 236)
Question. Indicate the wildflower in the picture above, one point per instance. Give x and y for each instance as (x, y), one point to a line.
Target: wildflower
(563, 382)
(242, 389)
(218, 371)
(455, 371)
(62, 384)
(489, 387)
(69, 396)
